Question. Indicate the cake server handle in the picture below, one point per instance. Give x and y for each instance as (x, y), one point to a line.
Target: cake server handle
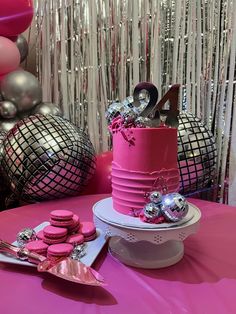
(20, 253)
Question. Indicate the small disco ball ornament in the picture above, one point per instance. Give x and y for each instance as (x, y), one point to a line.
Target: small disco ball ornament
(25, 235)
(151, 210)
(196, 154)
(143, 101)
(128, 115)
(113, 111)
(47, 157)
(78, 252)
(128, 102)
(155, 197)
(174, 207)
(143, 122)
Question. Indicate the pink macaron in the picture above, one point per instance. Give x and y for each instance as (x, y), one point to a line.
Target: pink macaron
(59, 250)
(61, 218)
(88, 230)
(75, 226)
(75, 239)
(54, 235)
(37, 246)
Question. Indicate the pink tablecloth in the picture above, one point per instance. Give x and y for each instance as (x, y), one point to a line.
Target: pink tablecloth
(204, 281)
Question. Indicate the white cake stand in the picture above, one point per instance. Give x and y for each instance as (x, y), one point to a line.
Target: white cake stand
(140, 244)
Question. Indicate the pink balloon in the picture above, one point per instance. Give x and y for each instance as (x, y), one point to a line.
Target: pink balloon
(15, 16)
(101, 181)
(9, 56)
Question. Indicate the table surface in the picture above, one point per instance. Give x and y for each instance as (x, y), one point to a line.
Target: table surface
(204, 281)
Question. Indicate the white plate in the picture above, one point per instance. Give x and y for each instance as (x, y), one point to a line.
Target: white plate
(92, 249)
(104, 210)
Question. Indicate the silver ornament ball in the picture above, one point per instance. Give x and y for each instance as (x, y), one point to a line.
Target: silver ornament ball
(155, 197)
(47, 157)
(8, 110)
(129, 102)
(24, 236)
(143, 122)
(46, 108)
(174, 207)
(151, 210)
(196, 154)
(113, 111)
(23, 47)
(21, 88)
(78, 252)
(128, 115)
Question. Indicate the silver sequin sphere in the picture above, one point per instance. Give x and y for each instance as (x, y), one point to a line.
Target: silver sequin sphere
(155, 197)
(47, 157)
(25, 235)
(174, 207)
(151, 210)
(196, 154)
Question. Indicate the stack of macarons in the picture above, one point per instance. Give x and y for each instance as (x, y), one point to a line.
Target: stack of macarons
(64, 232)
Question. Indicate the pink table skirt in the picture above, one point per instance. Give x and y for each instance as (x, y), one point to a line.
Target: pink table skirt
(204, 281)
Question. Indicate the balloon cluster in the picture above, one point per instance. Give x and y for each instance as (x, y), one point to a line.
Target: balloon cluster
(20, 91)
(171, 207)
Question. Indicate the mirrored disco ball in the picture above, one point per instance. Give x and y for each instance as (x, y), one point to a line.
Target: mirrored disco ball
(196, 154)
(4, 189)
(47, 157)
(2, 183)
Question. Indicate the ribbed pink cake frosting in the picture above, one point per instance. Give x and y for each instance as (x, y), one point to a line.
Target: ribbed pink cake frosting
(147, 163)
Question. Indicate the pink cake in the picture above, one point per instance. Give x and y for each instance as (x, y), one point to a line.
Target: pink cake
(144, 160)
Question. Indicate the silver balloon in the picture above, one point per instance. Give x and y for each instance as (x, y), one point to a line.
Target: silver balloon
(196, 154)
(46, 108)
(3, 185)
(7, 109)
(7, 124)
(47, 157)
(23, 47)
(22, 88)
(2, 135)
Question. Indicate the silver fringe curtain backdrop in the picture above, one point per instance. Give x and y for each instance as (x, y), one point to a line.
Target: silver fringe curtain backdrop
(92, 52)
